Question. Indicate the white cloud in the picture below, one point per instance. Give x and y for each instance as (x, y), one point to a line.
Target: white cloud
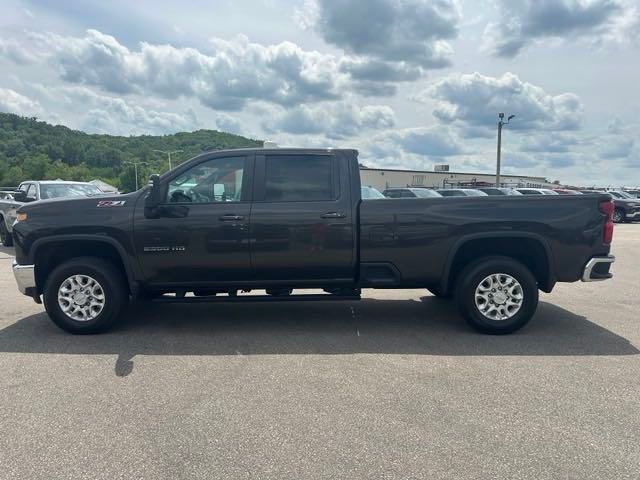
(475, 100)
(523, 22)
(413, 31)
(235, 72)
(229, 124)
(392, 40)
(11, 49)
(14, 102)
(617, 146)
(117, 116)
(412, 148)
(335, 120)
(549, 142)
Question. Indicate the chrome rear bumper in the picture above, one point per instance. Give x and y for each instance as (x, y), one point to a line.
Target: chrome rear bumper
(25, 277)
(591, 273)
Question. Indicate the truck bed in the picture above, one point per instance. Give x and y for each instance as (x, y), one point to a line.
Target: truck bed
(416, 240)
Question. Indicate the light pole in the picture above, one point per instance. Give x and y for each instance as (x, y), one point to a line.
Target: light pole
(501, 123)
(135, 166)
(169, 155)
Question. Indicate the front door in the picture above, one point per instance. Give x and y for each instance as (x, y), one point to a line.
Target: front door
(301, 220)
(201, 236)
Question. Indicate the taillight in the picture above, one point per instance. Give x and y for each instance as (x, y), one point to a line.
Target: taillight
(607, 208)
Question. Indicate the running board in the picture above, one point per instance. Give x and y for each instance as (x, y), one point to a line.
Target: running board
(257, 298)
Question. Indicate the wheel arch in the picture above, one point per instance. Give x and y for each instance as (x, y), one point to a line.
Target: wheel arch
(530, 249)
(49, 252)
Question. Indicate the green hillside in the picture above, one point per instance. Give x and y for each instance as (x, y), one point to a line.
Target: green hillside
(35, 150)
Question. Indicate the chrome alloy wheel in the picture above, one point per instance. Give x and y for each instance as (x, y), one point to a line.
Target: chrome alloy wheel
(81, 298)
(499, 296)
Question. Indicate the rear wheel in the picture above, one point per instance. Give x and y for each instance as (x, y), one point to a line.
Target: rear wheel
(497, 295)
(85, 295)
(618, 215)
(5, 236)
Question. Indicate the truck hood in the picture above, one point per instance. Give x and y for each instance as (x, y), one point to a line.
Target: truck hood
(97, 201)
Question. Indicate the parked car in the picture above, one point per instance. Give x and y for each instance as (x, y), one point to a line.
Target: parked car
(285, 219)
(626, 209)
(408, 192)
(370, 193)
(499, 191)
(31, 191)
(461, 192)
(536, 191)
(566, 191)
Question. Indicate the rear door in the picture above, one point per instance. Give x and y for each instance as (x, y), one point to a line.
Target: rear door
(302, 224)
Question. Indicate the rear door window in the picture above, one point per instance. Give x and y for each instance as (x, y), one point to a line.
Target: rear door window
(299, 178)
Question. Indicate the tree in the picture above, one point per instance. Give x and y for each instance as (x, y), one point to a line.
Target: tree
(32, 149)
(36, 167)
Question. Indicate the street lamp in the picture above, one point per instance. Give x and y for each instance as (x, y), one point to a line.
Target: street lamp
(135, 166)
(501, 123)
(169, 155)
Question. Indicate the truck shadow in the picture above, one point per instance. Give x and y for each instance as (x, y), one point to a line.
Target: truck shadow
(407, 327)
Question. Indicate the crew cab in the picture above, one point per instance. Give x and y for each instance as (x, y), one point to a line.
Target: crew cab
(277, 220)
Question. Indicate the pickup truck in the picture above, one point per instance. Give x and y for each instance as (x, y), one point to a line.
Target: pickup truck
(31, 191)
(276, 220)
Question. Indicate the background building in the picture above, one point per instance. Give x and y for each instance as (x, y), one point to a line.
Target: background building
(383, 178)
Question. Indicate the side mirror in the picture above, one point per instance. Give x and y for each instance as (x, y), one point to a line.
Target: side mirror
(20, 196)
(154, 198)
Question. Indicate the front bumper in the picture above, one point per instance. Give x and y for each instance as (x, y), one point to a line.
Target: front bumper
(25, 278)
(597, 269)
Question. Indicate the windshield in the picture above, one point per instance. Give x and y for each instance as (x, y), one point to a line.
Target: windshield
(63, 190)
(369, 193)
(622, 194)
(425, 193)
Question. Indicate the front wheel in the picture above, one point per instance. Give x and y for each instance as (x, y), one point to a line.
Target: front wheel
(497, 295)
(85, 295)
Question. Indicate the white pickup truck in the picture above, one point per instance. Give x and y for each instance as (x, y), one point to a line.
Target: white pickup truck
(33, 190)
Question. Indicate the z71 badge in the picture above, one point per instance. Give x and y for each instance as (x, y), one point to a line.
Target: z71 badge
(111, 203)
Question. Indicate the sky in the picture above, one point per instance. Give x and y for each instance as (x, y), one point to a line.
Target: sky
(409, 83)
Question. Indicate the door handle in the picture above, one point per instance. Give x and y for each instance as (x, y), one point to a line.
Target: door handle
(333, 215)
(231, 218)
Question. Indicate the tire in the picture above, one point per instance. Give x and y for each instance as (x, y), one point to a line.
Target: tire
(618, 215)
(516, 305)
(5, 236)
(435, 291)
(111, 283)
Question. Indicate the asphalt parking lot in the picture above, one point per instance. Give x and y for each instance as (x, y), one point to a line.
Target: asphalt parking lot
(394, 386)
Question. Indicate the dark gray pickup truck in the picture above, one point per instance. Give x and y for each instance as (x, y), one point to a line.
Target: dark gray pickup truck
(276, 220)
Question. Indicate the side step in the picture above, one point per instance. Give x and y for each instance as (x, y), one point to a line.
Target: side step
(258, 298)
